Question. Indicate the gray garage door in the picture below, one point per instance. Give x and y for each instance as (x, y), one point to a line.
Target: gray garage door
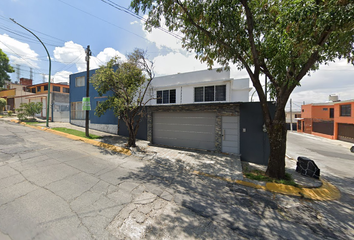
(185, 129)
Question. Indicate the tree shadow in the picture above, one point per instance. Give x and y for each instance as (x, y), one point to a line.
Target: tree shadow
(209, 208)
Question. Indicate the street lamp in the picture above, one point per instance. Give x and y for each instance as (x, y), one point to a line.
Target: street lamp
(50, 66)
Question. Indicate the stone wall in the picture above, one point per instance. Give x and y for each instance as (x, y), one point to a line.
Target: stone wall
(221, 109)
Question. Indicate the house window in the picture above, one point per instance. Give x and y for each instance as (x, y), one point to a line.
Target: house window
(38, 89)
(66, 90)
(33, 90)
(76, 111)
(331, 113)
(345, 110)
(198, 94)
(166, 96)
(210, 93)
(56, 89)
(80, 81)
(325, 109)
(297, 115)
(46, 88)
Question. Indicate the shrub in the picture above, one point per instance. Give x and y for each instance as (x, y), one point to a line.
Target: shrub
(28, 109)
(9, 113)
(2, 104)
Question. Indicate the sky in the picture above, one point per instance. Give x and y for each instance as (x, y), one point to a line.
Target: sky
(68, 27)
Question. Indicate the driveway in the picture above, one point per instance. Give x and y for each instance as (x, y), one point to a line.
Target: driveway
(55, 188)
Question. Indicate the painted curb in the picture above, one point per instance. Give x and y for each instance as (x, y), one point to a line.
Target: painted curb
(327, 192)
(89, 141)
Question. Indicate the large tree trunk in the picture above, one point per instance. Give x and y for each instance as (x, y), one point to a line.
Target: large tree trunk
(131, 140)
(277, 140)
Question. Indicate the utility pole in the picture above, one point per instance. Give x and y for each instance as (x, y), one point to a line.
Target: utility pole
(88, 54)
(291, 114)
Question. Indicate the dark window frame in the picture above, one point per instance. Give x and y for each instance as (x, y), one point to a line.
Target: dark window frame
(55, 88)
(345, 110)
(331, 113)
(66, 90)
(39, 89)
(213, 93)
(166, 96)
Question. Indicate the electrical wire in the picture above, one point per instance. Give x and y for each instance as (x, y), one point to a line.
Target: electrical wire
(126, 10)
(102, 19)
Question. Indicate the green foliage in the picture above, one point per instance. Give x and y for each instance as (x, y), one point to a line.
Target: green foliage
(76, 132)
(261, 176)
(126, 84)
(29, 110)
(5, 68)
(9, 113)
(2, 104)
(285, 40)
(125, 81)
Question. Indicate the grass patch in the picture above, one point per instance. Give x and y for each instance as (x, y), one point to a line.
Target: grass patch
(75, 132)
(261, 176)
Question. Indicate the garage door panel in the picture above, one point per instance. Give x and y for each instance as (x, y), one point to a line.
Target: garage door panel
(185, 129)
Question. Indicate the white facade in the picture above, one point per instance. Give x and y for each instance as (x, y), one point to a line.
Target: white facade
(184, 84)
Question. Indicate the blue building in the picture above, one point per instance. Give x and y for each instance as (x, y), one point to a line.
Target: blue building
(107, 122)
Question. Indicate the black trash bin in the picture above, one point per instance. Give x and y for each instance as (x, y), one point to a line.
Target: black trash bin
(307, 167)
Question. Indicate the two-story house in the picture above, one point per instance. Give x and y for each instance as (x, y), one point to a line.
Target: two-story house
(333, 119)
(202, 110)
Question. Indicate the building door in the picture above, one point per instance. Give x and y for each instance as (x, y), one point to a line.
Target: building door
(185, 129)
(231, 134)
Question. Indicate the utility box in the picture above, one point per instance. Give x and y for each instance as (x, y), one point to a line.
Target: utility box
(307, 167)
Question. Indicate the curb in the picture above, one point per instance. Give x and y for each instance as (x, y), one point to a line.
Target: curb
(73, 137)
(327, 192)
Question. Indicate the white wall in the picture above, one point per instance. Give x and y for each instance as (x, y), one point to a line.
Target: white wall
(237, 90)
(190, 78)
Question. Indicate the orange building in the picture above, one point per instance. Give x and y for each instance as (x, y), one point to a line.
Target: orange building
(333, 120)
(24, 92)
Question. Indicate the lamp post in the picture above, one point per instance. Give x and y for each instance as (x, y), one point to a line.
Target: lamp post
(50, 66)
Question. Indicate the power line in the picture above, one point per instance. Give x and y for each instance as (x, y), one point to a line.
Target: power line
(126, 10)
(102, 19)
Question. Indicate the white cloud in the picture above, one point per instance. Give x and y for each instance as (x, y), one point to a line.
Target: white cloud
(62, 76)
(18, 52)
(335, 78)
(162, 39)
(71, 53)
(135, 22)
(174, 63)
(106, 55)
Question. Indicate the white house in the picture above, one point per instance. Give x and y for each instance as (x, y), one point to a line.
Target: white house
(206, 86)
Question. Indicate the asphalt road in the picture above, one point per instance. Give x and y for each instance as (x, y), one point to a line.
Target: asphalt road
(331, 156)
(55, 188)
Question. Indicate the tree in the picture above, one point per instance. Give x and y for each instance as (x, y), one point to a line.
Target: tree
(5, 68)
(128, 85)
(29, 109)
(2, 104)
(285, 40)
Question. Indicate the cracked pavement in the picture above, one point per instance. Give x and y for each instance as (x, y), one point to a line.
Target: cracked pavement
(55, 188)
